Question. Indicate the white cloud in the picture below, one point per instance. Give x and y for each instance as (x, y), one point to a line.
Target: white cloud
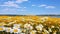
(50, 7)
(23, 10)
(12, 10)
(9, 11)
(24, 7)
(6, 9)
(10, 4)
(42, 5)
(33, 5)
(13, 3)
(20, 1)
(46, 6)
(25, 0)
(11, 7)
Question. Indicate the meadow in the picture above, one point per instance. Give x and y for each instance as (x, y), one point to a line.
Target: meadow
(29, 25)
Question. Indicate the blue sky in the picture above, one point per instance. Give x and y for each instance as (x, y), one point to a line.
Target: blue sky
(29, 7)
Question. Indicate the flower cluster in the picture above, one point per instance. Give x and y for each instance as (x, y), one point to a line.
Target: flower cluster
(29, 25)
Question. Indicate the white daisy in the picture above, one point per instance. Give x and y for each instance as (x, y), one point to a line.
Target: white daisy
(39, 27)
(31, 27)
(44, 19)
(54, 32)
(52, 26)
(8, 29)
(27, 26)
(50, 30)
(16, 26)
(46, 31)
(16, 30)
(2, 28)
(33, 32)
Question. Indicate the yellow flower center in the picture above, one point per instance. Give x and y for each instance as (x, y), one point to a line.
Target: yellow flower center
(33, 32)
(15, 30)
(1, 29)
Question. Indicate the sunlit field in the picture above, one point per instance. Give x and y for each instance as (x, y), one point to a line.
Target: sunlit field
(29, 25)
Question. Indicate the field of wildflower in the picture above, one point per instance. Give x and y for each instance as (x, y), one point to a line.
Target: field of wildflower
(29, 25)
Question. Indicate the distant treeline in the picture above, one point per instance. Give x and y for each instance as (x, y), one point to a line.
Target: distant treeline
(29, 15)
